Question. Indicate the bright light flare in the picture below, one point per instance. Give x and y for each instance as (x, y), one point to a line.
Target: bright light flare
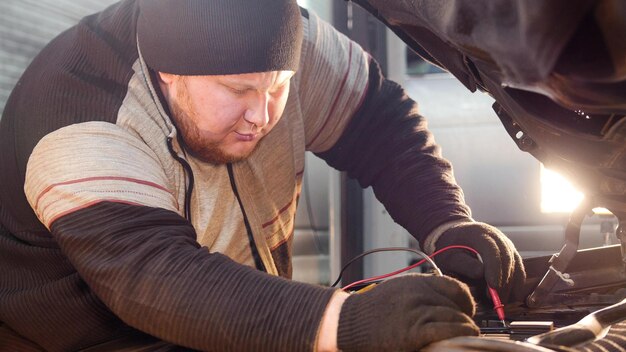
(558, 195)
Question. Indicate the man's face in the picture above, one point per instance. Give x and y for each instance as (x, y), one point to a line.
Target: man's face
(222, 118)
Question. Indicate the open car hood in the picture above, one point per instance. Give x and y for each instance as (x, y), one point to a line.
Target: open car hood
(556, 68)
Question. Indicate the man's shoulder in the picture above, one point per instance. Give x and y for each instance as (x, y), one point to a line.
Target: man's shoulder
(81, 75)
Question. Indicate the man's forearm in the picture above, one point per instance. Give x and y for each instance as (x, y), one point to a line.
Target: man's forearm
(388, 146)
(327, 335)
(145, 266)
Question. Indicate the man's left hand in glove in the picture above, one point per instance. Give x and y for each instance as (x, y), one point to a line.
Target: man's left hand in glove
(502, 269)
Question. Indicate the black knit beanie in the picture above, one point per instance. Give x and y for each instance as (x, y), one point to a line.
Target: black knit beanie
(218, 37)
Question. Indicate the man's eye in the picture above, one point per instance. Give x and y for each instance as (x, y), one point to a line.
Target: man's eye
(238, 91)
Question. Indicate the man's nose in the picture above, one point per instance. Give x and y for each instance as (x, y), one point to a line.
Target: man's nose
(259, 114)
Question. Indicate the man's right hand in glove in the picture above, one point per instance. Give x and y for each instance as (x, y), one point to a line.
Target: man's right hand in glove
(400, 314)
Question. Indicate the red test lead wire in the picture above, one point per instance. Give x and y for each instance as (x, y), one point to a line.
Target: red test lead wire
(497, 303)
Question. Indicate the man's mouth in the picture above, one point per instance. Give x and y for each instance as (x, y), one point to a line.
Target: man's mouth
(246, 137)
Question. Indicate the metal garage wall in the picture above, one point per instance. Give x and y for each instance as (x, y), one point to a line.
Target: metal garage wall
(25, 28)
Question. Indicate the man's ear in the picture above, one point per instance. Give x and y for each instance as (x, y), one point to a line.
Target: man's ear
(166, 81)
(166, 78)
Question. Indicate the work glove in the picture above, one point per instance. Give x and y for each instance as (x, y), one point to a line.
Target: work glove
(503, 268)
(405, 314)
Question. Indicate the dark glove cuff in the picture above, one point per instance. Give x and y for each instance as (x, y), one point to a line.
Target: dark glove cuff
(355, 324)
(430, 244)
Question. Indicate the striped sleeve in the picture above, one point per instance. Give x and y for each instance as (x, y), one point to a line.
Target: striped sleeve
(360, 122)
(84, 164)
(333, 80)
(388, 146)
(147, 268)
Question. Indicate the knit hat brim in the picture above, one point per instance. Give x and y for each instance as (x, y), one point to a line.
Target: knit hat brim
(219, 37)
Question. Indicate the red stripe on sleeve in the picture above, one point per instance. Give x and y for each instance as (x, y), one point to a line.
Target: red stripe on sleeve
(100, 178)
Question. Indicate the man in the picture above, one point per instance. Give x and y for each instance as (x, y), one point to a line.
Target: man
(152, 157)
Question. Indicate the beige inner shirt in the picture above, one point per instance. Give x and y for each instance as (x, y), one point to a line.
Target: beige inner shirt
(217, 217)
